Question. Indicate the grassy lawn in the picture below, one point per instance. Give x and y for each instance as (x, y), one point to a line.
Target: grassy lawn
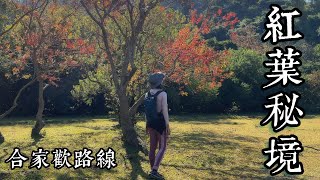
(200, 147)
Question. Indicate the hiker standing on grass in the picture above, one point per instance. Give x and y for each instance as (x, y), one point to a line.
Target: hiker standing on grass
(157, 126)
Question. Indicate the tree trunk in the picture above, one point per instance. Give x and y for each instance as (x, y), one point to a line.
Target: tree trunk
(39, 122)
(15, 104)
(129, 133)
(1, 138)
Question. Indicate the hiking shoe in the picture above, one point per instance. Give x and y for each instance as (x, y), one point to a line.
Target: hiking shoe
(156, 175)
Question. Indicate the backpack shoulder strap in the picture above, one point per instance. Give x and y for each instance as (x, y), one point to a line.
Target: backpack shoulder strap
(148, 94)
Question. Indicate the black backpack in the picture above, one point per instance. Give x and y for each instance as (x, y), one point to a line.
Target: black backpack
(155, 120)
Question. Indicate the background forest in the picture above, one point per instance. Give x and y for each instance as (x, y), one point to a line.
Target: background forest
(86, 91)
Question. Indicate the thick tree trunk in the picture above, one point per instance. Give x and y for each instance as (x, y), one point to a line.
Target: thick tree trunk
(129, 133)
(39, 122)
(121, 79)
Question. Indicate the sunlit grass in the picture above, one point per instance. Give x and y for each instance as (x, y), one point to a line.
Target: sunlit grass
(200, 147)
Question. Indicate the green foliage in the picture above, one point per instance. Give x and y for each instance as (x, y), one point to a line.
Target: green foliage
(98, 83)
(317, 50)
(185, 99)
(247, 66)
(7, 14)
(243, 88)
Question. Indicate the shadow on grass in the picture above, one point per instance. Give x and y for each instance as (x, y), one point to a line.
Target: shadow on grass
(6, 154)
(34, 175)
(207, 142)
(36, 139)
(64, 176)
(135, 161)
(196, 141)
(242, 173)
(4, 175)
(49, 120)
(203, 119)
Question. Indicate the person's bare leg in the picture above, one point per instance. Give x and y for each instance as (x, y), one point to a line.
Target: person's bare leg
(154, 139)
(162, 149)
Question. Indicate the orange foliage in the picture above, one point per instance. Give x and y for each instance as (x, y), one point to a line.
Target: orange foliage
(45, 43)
(32, 39)
(188, 58)
(206, 21)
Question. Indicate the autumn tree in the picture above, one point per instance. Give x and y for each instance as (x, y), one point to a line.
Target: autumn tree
(131, 51)
(161, 25)
(12, 13)
(39, 48)
(9, 18)
(122, 64)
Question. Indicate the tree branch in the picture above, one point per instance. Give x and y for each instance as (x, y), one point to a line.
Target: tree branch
(20, 18)
(89, 13)
(133, 110)
(15, 102)
(105, 37)
(118, 25)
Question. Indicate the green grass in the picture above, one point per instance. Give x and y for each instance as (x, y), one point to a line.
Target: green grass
(200, 147)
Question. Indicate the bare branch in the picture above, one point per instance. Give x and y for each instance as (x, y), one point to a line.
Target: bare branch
(118, 25)
(90, 14)
(105, 37)
(15, 102)
(19, 19)
(133, 110)
(97, 10)
(174, 66)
